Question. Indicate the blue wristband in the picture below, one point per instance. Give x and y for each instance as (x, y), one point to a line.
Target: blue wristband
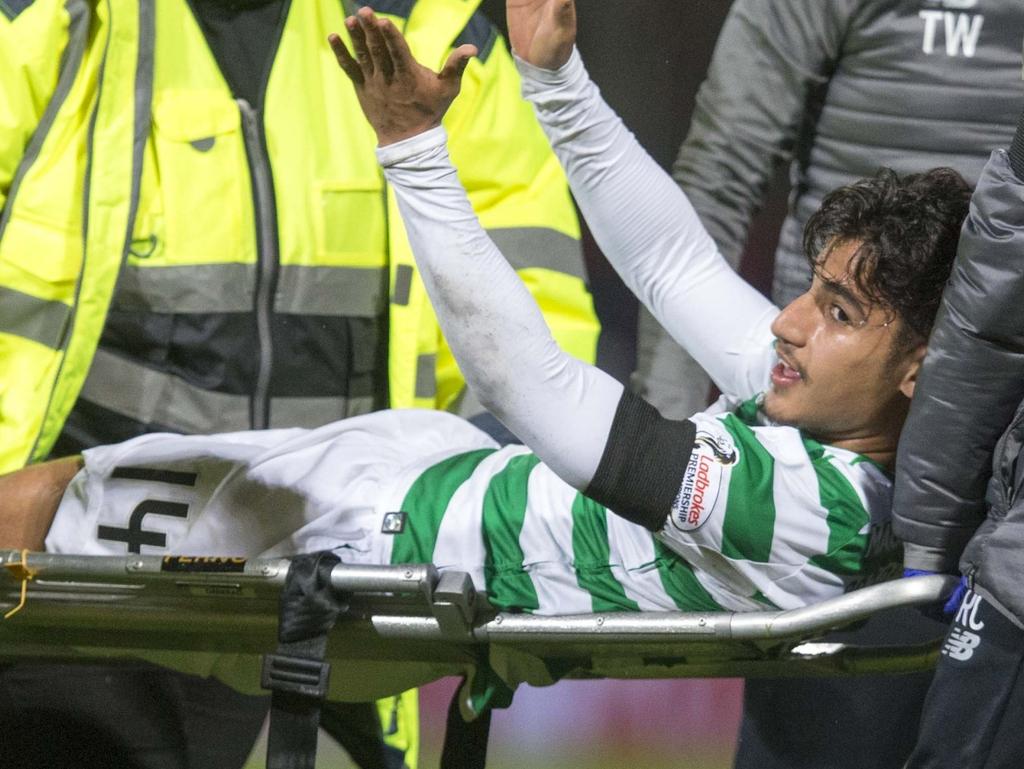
(951, 602)
(918, 573)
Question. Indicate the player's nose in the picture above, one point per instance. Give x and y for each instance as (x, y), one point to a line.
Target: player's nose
(793, 324)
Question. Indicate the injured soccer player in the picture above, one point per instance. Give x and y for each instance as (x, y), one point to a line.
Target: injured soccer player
(777, 496)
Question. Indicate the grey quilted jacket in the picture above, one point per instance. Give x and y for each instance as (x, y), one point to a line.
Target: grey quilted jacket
(958, 483)
(838, 88)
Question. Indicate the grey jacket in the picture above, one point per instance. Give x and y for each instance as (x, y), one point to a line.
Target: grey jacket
(833, 89)
(956, 488)
(838, 88)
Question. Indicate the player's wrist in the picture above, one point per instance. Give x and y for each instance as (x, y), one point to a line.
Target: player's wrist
(406, 149)
(394, 135)
(532, 74)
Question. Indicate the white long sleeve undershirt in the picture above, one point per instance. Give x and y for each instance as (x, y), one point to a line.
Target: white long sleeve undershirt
(558, 406)
(650, 232)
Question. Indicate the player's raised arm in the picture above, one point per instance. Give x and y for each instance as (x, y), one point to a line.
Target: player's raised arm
(560, 407)
(641, 219)
(574, 417)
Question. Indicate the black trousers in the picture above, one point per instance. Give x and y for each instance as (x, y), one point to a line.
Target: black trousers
(974, 714)
(864, 722)
(123, 717)
(830, 723)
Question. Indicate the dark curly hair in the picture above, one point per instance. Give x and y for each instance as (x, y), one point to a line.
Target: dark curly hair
(908, 228)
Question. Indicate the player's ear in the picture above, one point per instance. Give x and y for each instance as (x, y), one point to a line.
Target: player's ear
(912, 367)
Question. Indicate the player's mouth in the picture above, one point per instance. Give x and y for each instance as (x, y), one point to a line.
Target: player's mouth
(785, 373)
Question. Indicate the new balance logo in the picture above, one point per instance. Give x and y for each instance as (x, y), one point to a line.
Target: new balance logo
(967, 614)
(960, 644)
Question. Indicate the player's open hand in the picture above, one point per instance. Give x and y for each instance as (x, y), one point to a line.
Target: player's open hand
(542, 32)
(400, 97)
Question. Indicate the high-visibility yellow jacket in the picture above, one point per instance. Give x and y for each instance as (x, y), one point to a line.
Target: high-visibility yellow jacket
(123, 163)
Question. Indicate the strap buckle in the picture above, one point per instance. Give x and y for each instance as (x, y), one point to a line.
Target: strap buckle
(295, 675)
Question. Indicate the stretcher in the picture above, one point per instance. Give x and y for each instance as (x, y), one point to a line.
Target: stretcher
(407, 625)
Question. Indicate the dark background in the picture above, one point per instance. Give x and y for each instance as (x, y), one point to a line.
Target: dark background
(649, 59)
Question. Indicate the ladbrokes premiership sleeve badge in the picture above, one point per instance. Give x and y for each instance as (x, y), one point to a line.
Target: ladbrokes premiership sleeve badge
(705, 481)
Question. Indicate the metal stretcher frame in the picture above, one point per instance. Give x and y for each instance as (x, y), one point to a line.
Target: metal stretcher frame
(411, 624)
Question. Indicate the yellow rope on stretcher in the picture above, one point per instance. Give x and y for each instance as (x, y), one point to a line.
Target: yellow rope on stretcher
(24, 573)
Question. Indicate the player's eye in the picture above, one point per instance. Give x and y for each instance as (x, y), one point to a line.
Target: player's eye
(840, 315)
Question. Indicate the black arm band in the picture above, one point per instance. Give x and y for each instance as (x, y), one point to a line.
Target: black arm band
(643, 463)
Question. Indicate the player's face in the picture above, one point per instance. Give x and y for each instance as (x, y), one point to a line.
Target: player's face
(837, 378)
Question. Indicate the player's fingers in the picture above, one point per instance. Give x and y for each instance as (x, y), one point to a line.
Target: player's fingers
(401, 56)
(456, 63)
(345, 60)
(356, 32)
(375, 43)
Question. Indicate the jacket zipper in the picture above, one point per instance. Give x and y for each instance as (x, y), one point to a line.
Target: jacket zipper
(267, 259)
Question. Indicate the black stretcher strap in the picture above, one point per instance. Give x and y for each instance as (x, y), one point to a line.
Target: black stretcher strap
(465, 743)
(296, 673)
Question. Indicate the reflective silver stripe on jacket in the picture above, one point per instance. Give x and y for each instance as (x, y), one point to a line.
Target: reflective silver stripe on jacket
(37, 319)
(214, 288)
(353, 292)
(155, 397)
(526, 247)
(426, 376)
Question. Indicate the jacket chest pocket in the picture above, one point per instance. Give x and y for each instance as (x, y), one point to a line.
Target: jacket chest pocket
(196, 200)
(351, 221)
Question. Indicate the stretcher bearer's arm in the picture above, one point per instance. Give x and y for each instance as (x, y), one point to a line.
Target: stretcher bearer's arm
(33, 39)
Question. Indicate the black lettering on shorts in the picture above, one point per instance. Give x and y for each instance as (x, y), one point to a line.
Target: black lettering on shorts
(174, 477)
(134, 536)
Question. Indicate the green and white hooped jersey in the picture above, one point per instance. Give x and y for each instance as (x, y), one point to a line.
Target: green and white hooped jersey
(764, 518)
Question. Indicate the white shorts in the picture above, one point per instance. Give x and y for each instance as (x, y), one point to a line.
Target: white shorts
(248, 494)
